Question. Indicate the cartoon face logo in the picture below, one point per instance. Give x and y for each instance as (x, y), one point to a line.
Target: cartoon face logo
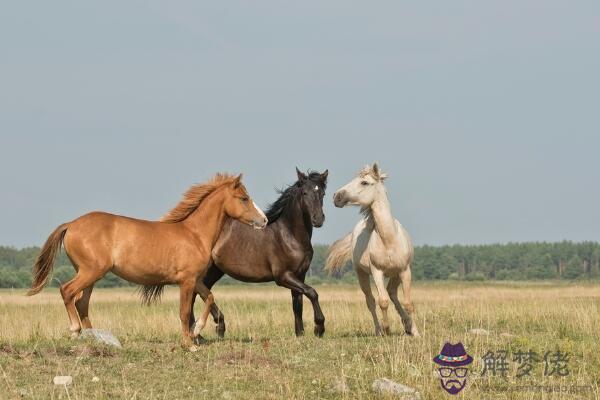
(452, 362)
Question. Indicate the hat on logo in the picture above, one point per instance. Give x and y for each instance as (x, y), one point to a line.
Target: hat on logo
(453, 355)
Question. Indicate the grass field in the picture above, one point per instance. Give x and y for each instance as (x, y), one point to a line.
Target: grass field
(261, 358)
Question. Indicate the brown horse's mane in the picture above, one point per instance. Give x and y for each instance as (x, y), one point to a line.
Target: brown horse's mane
(194, 196)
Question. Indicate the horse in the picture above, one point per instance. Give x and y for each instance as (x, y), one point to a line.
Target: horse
(378, 246)
(174, 250)
(281, 252)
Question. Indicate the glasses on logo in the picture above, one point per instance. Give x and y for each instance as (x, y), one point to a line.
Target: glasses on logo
(447, 372)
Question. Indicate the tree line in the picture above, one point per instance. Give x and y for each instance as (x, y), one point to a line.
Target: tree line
(513, 261)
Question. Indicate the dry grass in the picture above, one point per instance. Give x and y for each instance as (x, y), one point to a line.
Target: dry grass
(261, 358)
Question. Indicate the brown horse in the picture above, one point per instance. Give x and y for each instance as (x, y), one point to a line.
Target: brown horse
(175, 250)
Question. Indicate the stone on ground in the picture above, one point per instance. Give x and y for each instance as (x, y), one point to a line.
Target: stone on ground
(103, 336)
(389, 387)
(63, 380)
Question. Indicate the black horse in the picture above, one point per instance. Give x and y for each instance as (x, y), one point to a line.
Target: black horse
(281, 252)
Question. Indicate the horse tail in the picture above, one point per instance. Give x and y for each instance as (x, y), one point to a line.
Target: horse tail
(45, 261)
(339, 254)
(151, 293)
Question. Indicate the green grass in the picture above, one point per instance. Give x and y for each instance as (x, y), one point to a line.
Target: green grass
(261, 358)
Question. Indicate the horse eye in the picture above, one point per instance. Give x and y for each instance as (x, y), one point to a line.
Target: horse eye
(245, 199)
(364, 183)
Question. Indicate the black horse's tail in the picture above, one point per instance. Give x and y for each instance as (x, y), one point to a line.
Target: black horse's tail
(151, 293)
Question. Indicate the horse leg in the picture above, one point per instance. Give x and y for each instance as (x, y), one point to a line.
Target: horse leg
(71, 291)
(297, 307)
(83, 304)
(365, 285)
(192, 316)
(406, 277)
(392, 289)
(210, 300)
(204, 291)
(382, 298)
(186, 292)
(290, 281)
(212, 276)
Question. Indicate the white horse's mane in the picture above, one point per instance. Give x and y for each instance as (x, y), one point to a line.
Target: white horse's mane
(375, 173)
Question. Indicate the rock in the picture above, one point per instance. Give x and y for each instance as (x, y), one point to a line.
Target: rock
(63, 380)
(340, 385)
(507, 335)
(226, 395)
(101, 335)
(389, 387)
(479, 331)
(95, 379)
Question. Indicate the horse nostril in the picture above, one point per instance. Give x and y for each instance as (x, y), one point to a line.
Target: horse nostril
(337, 199)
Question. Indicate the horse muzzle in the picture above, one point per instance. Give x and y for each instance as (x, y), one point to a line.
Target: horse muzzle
(318, 222)
(260, 224)
(339, 199)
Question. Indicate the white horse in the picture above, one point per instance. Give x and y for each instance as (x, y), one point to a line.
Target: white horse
(378, 246)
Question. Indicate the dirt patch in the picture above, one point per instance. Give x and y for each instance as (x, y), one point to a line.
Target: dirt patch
(7, 349)
(87, 350)
(81, 350)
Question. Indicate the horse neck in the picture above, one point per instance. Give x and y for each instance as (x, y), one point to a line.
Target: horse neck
(298, 221)
(207, 221)
(384, 221)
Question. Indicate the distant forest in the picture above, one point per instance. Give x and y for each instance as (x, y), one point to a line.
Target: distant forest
(513, 262)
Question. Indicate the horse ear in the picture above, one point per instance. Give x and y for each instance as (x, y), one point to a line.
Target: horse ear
(379, 174)
(375, 169)
(301, 175)
(324, 175)
(237, 181)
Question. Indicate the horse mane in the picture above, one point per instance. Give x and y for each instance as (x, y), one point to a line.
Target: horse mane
(194, 196)
(378, 175)
(287, 196)
(368, 170)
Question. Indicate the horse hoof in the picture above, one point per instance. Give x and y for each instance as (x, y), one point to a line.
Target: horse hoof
(300, 333)
(386, 331)
(193, 348)
(75, 334)
(319, 330)
(198, 340)
(220, 330)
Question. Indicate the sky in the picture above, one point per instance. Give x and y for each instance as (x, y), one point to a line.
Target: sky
(485, 115)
